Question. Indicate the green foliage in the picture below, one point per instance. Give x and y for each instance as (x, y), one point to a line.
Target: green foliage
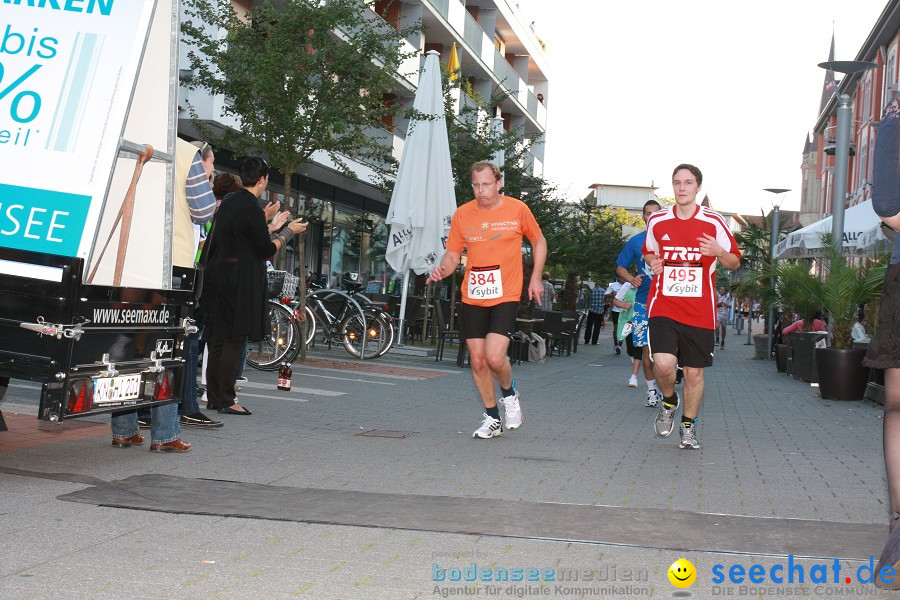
(590, 239)
(299, 75)
(839, 291)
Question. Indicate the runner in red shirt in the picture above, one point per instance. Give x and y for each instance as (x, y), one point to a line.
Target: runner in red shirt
(490, 228)
(683, 243)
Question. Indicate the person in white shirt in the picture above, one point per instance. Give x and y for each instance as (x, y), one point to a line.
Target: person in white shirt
(611, 290)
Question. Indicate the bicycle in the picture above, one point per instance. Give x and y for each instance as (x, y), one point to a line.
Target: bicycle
(351, 319)
(369, 326)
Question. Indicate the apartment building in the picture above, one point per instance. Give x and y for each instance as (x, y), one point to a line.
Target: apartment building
(870, 92)
(498, 53)
(630, 197)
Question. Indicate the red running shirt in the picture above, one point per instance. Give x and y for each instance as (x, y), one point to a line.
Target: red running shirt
(686, 289)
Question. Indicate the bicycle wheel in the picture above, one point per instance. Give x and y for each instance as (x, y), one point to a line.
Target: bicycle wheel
(378, 332)
(268, 353)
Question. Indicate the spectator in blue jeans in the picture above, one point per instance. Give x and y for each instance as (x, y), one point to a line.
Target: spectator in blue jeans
(195, 205)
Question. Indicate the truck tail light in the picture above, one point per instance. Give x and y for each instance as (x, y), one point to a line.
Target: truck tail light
(81, 396)
(165, 386)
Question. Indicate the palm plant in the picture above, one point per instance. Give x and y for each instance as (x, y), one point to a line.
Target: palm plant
(844, 288)
(755, 274)
(839, 291)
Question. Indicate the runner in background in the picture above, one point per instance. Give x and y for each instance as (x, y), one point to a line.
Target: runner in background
(630, 258)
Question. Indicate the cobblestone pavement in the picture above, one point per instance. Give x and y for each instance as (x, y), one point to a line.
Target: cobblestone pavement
(771, 448)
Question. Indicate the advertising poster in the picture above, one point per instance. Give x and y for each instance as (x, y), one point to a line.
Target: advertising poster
(67, 71)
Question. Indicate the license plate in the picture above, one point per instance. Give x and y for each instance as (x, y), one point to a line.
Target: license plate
(116, 389)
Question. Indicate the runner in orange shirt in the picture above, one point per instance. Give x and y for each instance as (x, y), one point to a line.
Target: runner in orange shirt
(490, 228)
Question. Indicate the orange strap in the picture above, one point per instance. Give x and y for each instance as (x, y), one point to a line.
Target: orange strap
(126, 212)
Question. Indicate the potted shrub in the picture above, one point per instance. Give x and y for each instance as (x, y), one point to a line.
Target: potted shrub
(839, 292)
(841, 373)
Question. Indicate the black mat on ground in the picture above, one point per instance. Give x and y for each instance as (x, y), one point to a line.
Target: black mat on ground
(641, 527)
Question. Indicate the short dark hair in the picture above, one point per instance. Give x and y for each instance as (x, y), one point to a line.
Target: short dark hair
(694, 171)
(651, 203)
(252, 170)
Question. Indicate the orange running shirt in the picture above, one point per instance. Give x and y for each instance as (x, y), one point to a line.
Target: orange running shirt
(493, 241)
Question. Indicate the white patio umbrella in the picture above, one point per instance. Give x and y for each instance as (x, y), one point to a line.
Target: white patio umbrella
(807, 241)
(423, 201)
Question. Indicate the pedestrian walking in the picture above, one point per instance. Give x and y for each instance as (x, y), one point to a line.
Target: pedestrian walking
(596, 307)
(631, 267)
(490, 228)
(611, 291)
(548, 294)
(683, 243)
(723, 308)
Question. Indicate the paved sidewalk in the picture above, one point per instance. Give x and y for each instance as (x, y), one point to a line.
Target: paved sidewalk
(771, 448)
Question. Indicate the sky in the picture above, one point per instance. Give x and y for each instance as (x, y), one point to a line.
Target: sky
(638, 86)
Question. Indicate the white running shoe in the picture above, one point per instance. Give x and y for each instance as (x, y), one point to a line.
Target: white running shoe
(665, 420)
(653, 398)
(632, 381)
(689, 437)
(512, 412)
(490, 427)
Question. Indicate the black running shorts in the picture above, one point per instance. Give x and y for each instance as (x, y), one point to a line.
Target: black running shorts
(478, 321)
(692, 345)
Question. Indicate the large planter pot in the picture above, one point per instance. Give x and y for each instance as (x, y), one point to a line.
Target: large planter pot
(842, 375)
(781, 357)
(801, 359)
(761, 341)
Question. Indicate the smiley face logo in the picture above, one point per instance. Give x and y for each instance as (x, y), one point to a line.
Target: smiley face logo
(682, 573)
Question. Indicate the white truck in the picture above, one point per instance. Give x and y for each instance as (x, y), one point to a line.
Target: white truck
(90, 304)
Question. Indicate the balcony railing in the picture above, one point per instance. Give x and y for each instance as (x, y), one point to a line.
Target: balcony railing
(830, 139)
(473, 33)
(442, 6)
(506, 74)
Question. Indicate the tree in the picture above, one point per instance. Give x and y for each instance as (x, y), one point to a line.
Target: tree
(591, 239)
(301, 76)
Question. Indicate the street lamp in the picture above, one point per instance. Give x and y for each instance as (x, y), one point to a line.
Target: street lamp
(773, 240)
(842, 147)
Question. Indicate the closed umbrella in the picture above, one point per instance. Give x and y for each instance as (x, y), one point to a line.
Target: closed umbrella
(423, 201)
(453, 63)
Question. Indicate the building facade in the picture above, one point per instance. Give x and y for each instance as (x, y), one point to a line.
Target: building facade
(869, 92)
(498, 53)
(629, 197)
